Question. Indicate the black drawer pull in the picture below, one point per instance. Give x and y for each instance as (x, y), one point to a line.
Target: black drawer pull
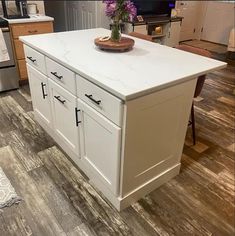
(56, 75)
(31, 59)
(32, 31)
(76, 115)
(59, 99)
(92, 99)
(43, 92)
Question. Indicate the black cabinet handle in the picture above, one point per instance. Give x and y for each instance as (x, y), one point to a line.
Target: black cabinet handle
(43, 92)
(92, 99)
(59, 99)
(56, 75)
(31, 59)
(76, 115)
(32, 31)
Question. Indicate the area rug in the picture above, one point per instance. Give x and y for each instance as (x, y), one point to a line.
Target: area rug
(8, 196)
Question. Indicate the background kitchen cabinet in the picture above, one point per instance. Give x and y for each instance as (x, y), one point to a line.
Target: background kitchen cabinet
(218, 21)
(190, 11)
(40, 95)
(173, 37)
(20, 29)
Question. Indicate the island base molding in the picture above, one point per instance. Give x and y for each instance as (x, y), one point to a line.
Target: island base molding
(138, 193)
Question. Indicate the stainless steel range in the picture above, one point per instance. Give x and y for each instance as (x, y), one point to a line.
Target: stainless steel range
(9, 78)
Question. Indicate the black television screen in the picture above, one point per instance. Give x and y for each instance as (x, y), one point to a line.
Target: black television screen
(148, 7)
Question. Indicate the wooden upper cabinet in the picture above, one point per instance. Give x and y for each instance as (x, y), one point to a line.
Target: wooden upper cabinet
(31, 28)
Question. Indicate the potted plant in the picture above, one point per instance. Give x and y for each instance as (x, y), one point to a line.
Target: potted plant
(119, 11)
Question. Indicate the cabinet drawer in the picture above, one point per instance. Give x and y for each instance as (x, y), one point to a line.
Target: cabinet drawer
(61, 75)
(102, 101)
(22, 69)
(19, 49)
(35, 59)
(31, 28)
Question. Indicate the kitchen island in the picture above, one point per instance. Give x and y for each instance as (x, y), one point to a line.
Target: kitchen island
(121, 117)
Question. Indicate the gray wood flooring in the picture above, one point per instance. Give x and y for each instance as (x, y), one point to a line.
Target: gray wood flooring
(58, 199)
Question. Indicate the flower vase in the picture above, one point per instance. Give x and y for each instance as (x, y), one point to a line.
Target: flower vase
(116, 32)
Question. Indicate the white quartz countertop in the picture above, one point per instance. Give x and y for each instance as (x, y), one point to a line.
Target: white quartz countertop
(32, 19)
(147, 68)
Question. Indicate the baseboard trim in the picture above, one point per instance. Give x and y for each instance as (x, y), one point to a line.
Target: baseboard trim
(149, 186)
(138, 193)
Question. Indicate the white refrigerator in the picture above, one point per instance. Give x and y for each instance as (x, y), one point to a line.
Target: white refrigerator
(75, 15)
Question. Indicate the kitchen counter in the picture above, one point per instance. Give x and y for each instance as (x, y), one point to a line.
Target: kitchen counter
(147, 68)
(32, 19)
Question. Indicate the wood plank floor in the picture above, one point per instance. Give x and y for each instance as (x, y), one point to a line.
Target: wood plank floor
(58, 200)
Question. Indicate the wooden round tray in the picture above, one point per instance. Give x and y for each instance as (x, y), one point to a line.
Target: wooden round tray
(124, 45)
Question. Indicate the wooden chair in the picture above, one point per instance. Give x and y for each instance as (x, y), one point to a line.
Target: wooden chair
(141, 36)
(200, 82)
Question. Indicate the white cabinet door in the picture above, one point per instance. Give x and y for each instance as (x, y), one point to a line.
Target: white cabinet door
(64, 116)
(100, 146)
(40, 95)
(173, 36)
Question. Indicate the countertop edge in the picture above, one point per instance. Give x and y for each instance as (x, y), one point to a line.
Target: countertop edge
(167, 85)
(114, 92)
(30, 20)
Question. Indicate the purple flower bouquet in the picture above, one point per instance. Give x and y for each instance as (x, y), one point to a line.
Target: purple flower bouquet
(118, 11)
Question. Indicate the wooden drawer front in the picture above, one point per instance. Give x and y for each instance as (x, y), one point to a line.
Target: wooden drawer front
(61, 75)
(100, 100)
(22, 69)
(35, 59)
(31, 28)
(19, 49)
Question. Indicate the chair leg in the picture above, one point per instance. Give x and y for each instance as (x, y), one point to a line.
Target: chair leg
(193, 125)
